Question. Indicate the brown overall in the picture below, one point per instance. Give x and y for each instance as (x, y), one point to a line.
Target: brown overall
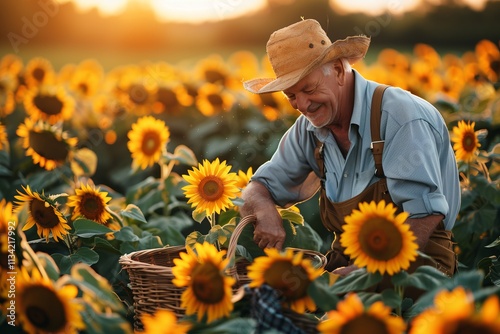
(440, 245)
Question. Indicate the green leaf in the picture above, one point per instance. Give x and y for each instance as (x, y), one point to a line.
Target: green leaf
(149, 241)
(356, 281)
(134, 212)
(49, 265)
(425, 278)
(84, 163)
(193, 238)
(86, 228)
(184, 155)
(322, 294)
(97, 287)
(199, 216)
(82, 255)
(302, 236)
(235, 325)
(98, 323)
(495, 272)
(292, 216)
(126, 234)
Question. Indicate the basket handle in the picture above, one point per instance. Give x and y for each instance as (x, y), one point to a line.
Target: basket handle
(233, 241)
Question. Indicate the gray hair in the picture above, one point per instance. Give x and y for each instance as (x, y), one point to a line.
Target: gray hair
(327, 68)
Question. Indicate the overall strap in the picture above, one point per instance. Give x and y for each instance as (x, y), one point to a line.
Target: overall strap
(320, 159)
(377, 145)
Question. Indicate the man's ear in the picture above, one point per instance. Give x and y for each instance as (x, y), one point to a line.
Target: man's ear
(339, 71)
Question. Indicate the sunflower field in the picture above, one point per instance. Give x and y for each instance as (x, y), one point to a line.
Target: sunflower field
(119, 196)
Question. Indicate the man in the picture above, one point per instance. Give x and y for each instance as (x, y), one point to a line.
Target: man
(330, 147)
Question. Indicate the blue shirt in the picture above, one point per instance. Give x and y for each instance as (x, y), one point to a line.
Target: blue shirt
(418, 158)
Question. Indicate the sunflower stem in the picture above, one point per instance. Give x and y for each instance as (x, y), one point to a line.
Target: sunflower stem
(211, 219)
(165, 169)
(400, 291)
(68, 243)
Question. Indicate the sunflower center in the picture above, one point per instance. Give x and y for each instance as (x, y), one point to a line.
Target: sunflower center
(361, 323)
(466, 326)
(150, 143)
(469, 142)
(38, 74)
(48, 146)
(84, 88)
(44, 309)
(211, 188)
(48, 104)
(292, 281)
(138, 94)
(380, 239)
(43, 215)
(92, 206)
(215, 100)
(207, 283)
(214, 76)
(167, 97)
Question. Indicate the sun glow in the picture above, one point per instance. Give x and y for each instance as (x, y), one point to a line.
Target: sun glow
(377, 7)
(193, 11)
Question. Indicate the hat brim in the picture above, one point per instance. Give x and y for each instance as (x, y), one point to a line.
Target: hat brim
(352, 48)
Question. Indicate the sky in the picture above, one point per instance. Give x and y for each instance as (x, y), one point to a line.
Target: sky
(198, 11)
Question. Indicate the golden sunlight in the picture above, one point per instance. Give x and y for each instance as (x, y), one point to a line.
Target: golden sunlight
(377, 7)
(193, 11)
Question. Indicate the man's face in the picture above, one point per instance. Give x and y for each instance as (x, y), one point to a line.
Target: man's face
(315, 96)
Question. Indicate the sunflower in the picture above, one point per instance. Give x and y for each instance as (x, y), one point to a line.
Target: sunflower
(374, 237)
(243, 178)
(86, 79)
(3, 137)
(488, 59)
(466, 143)
(12, 64)
(288, 273)
(47, 307)
(7, 94)
(49, 103)
(211, 187)
(46, 145)
(8, 223)
(171, 98)
(214, 70)
(147, 141)
(212, 99)
(209, 289)
(43, 213)
(39, 71)
(351, 317)
(90, 203)
(455, 312)
(136, 89)
(164, 322)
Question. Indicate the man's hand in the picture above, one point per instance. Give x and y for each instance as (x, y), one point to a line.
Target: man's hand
(269, 231)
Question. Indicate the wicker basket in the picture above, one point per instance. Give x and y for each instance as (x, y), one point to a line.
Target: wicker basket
(150, 274)
(238, 268)
(306, 322)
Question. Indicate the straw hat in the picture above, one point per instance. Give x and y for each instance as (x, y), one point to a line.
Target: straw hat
(296, 50)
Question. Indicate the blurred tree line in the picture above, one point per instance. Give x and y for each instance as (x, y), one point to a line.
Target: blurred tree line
(45, 23)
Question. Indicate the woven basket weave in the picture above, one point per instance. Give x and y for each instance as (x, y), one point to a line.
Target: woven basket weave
(150, 274)
(306, 322)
